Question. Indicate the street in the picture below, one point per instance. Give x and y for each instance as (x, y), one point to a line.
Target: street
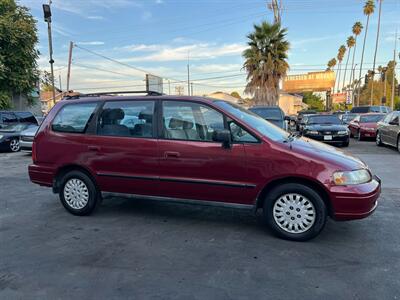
(150, 250)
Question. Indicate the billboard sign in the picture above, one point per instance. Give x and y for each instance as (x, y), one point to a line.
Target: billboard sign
(339, 98)
(154, 83)
(310, 82)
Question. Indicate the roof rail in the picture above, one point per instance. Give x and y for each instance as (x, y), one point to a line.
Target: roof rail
(77, 96)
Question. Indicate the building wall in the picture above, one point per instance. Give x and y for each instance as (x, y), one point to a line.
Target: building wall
(20, 103)
(290, 104)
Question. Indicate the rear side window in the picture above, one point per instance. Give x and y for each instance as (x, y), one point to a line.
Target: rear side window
(127, 118)
(26, 117)
(74, 117)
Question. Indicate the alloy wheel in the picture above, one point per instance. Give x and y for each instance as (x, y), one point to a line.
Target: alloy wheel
(378, 139)
(294, 213)
(76, 193)
(14, 145)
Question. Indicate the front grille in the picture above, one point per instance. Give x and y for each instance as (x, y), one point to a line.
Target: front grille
(328, 132)
(27, 138)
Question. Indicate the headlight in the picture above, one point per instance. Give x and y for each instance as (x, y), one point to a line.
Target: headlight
(342, 132)
(312, 132)
(351, 177)
(1, 137)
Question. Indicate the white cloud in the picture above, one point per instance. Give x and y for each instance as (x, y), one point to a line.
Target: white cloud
(91, 43)
(159, 1)
(197, 51)
(208, 68)
(95, 17)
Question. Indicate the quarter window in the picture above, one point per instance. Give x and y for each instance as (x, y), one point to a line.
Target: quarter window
(190, 121)
(127, 118)
(74, 117)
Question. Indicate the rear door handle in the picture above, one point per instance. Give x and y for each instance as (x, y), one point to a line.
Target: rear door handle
(93, 148)
(170, 154)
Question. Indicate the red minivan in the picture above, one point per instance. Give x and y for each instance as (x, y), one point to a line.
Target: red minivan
(197, 150)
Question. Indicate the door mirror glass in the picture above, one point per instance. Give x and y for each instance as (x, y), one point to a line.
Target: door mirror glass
(223, 136)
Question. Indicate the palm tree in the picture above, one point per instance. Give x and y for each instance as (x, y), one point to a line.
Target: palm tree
(369, 8)
(331, 64)
(340, 56)
(357, 28)
(266, 62)
(376, 50)
(350, 44)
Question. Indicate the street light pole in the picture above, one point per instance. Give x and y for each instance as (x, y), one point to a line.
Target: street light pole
(47, 19)
(394, 71)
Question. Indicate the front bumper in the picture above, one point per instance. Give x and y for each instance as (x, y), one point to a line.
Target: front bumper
(27, 146)
(336, 139)
(357, 201)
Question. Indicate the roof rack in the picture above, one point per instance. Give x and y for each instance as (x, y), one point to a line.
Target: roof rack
(77, 96)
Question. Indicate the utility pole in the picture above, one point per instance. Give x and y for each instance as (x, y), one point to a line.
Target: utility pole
(191, 88)
(169, 87)
(71, 46)
(59, 81)
(376, 50)
(188, 76)
(47, 19)
(276, 8)
(394, 71)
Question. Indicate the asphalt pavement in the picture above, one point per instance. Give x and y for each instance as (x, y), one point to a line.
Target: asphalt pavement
(135, 249)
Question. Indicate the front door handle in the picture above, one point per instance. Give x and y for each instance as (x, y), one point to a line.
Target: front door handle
(94, 148)
(171, 154)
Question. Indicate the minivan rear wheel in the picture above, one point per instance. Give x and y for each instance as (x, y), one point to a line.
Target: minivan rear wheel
(78, 194)
(295, 212)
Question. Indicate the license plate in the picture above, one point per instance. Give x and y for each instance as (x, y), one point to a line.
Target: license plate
(327, 138)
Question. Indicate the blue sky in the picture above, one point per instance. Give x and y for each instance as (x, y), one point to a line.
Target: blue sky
(158, 36)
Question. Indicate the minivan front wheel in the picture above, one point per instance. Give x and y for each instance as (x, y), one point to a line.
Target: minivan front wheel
(78, 193)
(295, 212)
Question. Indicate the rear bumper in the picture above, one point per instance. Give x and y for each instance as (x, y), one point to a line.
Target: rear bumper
(41, 175)
(355, 202)
(368, 134)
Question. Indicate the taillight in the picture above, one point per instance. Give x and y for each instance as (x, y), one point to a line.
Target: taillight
(34, 152)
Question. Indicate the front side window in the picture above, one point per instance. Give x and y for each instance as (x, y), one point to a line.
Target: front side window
(127, 118)
(395, 119)
(74, 118)
(190, 121)
(387, 119)
(239, 134)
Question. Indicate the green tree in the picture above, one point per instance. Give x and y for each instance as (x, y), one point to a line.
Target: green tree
(236, 95)
(331, 64)
(313, 101)
(340, 56)
(369, 9)
(357, 28)
(350, 44)
(18, 38)
(266, 62)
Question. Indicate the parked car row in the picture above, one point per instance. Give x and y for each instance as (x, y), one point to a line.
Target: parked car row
(17, 130)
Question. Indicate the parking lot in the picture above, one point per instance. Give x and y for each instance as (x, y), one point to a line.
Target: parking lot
(149, 250)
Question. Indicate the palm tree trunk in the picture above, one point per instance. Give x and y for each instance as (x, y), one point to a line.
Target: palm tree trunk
(362, 60)
(340, 69)
(345, 69)
(336, 77)
(352, 75)
(376, 50)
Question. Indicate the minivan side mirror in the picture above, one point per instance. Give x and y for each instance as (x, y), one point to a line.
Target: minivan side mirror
(223, 136)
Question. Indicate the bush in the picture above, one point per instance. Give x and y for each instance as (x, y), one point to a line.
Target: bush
(5, 100)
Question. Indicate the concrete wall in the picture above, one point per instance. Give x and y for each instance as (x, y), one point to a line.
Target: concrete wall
(20, 103)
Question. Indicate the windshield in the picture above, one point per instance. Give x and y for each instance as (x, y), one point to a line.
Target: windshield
(14, 127)
(323, 120)
(264, 127)
(267, 113)
(349, 117)
(371, 118)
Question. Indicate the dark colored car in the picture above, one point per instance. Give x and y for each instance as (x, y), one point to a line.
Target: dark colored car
(347, 118)
(388, 131)
(326, 128)
(200, 151)
(15, 117)
(273, 114)
(300, 116)
(364, 125)
(10, 136)
(371, 109)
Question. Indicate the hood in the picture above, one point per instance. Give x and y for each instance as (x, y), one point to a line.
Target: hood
(340, 159)
(31, 131)
(369, 125)
(326, 127)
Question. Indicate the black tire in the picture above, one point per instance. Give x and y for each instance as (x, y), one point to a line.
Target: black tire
(310, 195)
(378, 139)
(359, 138)
(398, 143)
(90, 192)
